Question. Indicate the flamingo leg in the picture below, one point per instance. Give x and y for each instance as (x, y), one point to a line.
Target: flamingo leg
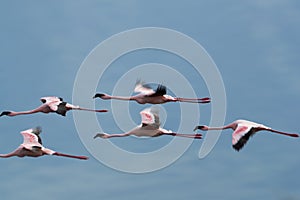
(86, 109)
(70, 156)
(16, 152)
(105, 135)
(284, 133)
(194, 100)
(7, 155)
(196, 136)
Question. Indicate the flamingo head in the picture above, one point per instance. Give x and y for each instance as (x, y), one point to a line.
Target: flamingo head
(202, 127)
(37, 130)
(101, 135)
(102, 96)
(5, 113)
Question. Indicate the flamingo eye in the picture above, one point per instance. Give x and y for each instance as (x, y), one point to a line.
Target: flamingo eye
(43, 100)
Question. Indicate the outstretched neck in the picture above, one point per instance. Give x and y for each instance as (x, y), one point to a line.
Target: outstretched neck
(122, 98)
(12, 113)
(221, 127)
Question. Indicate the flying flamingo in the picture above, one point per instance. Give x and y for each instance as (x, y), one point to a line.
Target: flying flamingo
(243, 130)
(148, 95)
(150, 127)
(50, 104)
(32, 147)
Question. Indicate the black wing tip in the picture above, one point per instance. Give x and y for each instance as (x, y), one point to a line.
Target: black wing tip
(62, 113)
(61, 109)
(237, 147)
(37, 130)
(161, 90)
(243, 140)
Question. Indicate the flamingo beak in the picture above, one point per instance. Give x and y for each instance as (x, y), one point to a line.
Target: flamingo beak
(5, 113)
(198, 127)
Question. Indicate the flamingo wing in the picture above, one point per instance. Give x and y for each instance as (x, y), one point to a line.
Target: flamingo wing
(30, 139)
(241, 135)
(147, 116)
(58, 106)
(63, 107)
(160, 91)
(141, 87)
(51, 99)
(150, 116)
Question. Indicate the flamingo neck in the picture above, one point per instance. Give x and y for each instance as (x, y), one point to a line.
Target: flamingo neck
(221, 128)
(121, 98)
(22, 112)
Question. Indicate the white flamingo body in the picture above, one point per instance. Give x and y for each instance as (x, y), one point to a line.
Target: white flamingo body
(148, 95)
(50, 105)
(243, 130)
(32, 147)
(150, 127)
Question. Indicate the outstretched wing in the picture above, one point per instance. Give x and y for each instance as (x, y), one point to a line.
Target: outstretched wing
(160, 91)
(141, 87)
(150, 116)
(241, 135)
(60, 108)
(147, 116)
(56, 104)
(51, 99)
(30, 139)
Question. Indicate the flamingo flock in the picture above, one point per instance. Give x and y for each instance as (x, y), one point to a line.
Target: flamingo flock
(150, 123)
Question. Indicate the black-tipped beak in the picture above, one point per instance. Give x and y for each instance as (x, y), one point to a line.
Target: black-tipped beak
(98, 95)
(198, 127)
(5, 113)
(97, 135)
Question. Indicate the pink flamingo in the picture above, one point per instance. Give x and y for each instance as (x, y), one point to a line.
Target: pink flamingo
(50, 104)
(32, 147)
(148, 95)
(243, 130)
(150, 127)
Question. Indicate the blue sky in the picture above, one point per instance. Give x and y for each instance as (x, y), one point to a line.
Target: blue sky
(255, 46)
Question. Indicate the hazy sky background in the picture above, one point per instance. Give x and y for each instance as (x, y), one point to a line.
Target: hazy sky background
(255, 45)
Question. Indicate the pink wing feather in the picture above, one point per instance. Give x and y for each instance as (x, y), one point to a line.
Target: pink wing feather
(30, 139)
(147, 117)
(239, 132)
